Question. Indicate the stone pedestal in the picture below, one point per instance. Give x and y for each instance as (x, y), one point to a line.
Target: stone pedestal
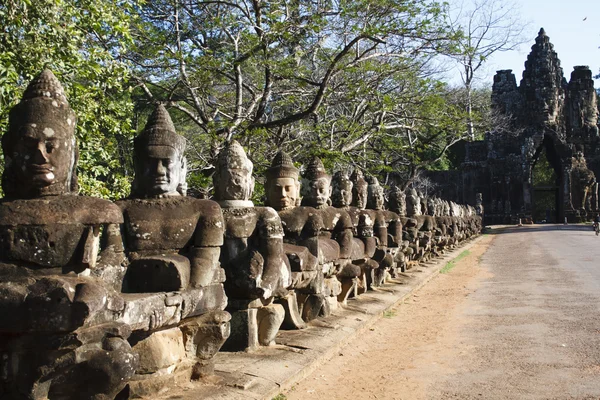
(177, 354)
(254, 326)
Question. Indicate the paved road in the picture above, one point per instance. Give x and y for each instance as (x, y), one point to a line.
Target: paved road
(523, 322)
(533, 325)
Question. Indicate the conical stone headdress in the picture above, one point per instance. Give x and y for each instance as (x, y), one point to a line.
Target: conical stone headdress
(282, 167)
(159, 131)
(358, 179)
(340, 180)
(44, 100)
(233, 156)
(315, 170)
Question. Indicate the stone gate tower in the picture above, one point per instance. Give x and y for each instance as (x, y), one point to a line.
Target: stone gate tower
(542, 113)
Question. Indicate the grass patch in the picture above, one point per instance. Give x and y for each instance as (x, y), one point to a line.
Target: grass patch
(451, 264)
(389, 313)
(280, 396)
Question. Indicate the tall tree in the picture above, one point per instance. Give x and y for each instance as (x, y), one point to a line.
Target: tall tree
(293, 72)
(485, 27)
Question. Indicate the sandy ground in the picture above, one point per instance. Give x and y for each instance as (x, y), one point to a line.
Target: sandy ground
(408, 349)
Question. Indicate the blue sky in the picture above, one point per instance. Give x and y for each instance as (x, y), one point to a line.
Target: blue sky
(577, 41)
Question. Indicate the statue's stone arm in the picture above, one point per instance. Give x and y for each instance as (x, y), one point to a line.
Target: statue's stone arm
(205, 252)
(380, 229)
(111, 266)
(276, 272)
(344, 234)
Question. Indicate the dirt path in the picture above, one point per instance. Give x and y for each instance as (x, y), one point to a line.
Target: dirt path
(404, 353)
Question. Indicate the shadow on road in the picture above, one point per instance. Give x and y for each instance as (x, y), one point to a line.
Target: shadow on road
(502, 229)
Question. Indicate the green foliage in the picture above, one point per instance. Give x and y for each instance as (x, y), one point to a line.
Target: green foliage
(313, 78)
(80, 41)
(543, 173)
(349, 81)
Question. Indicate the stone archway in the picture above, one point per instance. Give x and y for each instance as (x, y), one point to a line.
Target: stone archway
(546, 180)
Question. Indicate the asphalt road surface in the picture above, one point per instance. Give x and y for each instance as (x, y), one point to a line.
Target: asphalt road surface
(535, 322)
(518, 319)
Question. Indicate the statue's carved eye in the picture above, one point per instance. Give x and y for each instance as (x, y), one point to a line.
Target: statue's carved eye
(49, 147)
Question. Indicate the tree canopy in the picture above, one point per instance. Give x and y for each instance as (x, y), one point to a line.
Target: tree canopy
(350, 81)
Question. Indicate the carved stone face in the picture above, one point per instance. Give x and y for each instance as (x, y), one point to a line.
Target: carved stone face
(234, 184)
(376, 199)
(413, 203)
(360, 194)
(282, 193)
(43, 156)
(431, 206)
(397, 201)
(317, 192)
(341, 195)
(162, 170)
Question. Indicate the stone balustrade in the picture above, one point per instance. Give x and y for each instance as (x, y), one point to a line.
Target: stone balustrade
(101, 300)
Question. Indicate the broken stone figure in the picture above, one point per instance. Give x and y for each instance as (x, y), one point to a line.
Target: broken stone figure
(61, 333)
(311, 254)
(436, 232)
(364, 243)
(256, 267)
(173, 279)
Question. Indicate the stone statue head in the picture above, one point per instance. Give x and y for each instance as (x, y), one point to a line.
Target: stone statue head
(375, 197)
(439, 208)
(413, 203)
(341, 195)
(159, 159)
(316, 185)
(454, 209)
(423, 201)
(39, 147)
(430, 206)
(282, 185)
(233, 176)
(359, 189)
(397, 201)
